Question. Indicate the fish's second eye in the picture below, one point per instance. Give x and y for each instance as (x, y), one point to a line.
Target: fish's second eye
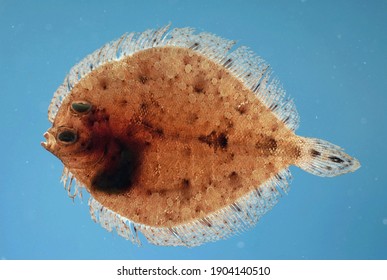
(67, 137)
(81, 107)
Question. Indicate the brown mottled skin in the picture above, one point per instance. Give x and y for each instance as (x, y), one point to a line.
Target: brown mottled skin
(170, 137)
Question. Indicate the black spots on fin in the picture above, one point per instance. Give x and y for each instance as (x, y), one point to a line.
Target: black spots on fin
(327, 160)
(235, 206)
(194, 46)
(215, 140)
(336, 159)
(314, 153)
(228, 63)
(206, 222)
(256, 87)
(233, 175)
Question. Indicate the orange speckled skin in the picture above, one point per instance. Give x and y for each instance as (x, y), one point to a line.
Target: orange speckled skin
(171, 137)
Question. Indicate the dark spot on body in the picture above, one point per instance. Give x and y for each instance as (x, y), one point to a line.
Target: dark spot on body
(336, 159)
(314, 153)
(200, 85)
(147, 125)
(123, 102)
(198, 89)
(267, 145)
(143, 106)
(143, 79)
(192, 118)
(159, 131)
(103, 84)
(120, 168)
(222, 140)
(162, 192)
(233, 176)
(242, 109)
(186, 183)
(215, 140)
(296, 152)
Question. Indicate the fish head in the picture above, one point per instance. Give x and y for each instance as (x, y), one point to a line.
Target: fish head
(78, 134)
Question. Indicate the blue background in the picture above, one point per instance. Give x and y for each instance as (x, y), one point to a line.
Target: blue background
(331, 57)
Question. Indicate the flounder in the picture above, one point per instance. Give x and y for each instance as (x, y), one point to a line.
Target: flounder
(180, 137)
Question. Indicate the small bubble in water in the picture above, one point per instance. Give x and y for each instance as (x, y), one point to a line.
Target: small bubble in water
(385, 221)
(241, 244)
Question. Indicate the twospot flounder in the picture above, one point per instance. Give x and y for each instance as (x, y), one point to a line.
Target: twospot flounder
(177, 136)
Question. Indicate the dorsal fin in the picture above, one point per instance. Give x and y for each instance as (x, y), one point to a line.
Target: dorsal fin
(242, 63)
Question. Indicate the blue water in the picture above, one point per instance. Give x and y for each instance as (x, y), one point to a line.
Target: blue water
(330, 56)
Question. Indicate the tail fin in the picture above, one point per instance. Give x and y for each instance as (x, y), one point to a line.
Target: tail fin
(324, 159)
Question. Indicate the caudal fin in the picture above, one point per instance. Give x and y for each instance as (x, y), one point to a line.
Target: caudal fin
(325, 159)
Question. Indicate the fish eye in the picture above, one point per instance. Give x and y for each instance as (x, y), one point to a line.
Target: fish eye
(81, 107)
(67, 137)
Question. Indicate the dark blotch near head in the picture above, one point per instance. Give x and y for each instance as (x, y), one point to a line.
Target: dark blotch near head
(119, 171)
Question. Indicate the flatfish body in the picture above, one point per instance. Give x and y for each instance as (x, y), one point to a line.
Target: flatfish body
(177, 136)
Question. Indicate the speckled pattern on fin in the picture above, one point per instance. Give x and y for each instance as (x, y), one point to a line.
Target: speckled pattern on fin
(325, 159)
(237, 217)
(241, 62)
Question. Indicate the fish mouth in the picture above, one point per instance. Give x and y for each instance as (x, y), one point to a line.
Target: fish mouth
(50, 140)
